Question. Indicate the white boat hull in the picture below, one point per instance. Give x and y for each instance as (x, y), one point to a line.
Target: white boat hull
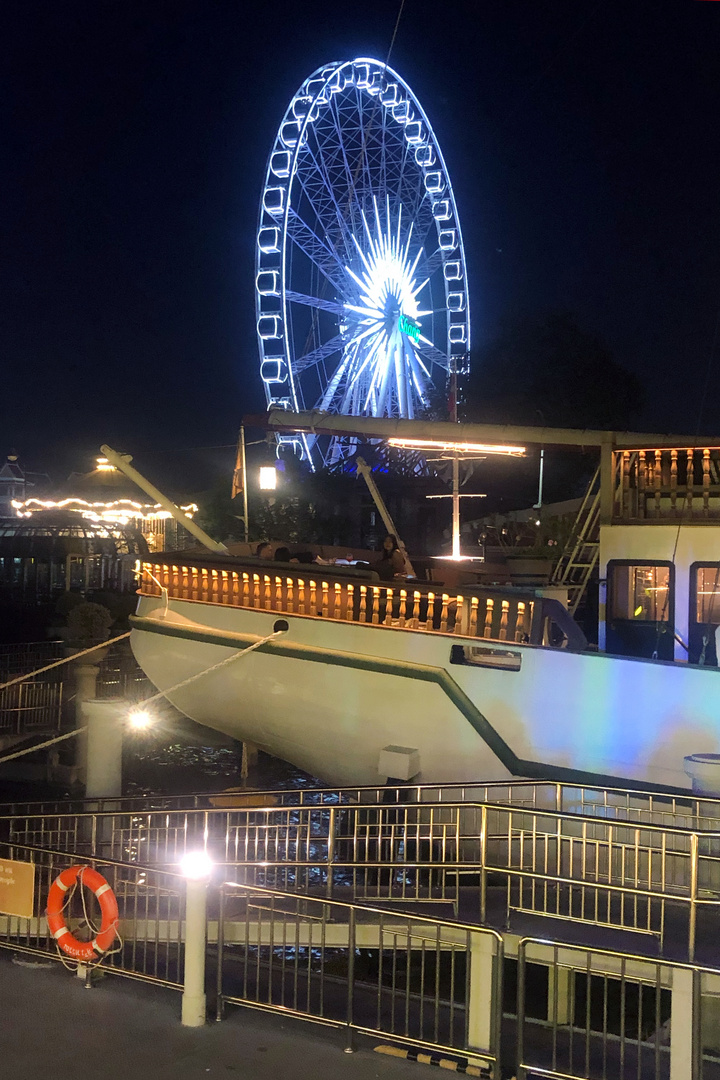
(329, 696)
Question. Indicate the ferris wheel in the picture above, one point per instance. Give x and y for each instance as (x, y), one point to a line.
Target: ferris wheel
(361, 295)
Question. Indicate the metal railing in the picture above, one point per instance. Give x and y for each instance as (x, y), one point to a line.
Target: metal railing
(612, 873)
(365, 969)
(611, 804)
(30, 707)
(151, 905)
(485, 615)
(614, 1016)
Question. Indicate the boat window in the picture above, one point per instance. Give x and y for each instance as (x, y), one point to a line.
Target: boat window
(707, 593)
(480, 656)
(640, 592)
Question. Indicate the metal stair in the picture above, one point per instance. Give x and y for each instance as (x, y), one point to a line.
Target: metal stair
(577, 562)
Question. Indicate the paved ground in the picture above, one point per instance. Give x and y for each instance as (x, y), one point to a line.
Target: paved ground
(51, 1026)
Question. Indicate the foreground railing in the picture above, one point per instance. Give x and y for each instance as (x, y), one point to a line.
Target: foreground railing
(419, 980)
(488, 861)
(615, 1016)
(499, 618)
(581, 1013)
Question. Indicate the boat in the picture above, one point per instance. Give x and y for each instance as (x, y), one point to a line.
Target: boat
(356, 680)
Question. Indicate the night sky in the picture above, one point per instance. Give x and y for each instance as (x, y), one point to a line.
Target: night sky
(581, 138)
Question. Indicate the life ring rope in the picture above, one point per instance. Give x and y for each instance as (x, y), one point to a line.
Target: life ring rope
(60, 895)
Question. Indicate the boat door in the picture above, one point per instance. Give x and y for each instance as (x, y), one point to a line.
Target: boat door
(641, 608)
(704, 614)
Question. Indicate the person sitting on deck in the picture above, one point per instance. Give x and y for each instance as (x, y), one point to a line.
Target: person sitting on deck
(392, 561)
(264, 550)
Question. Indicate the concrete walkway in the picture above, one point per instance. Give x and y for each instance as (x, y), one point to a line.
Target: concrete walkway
(51, 1026)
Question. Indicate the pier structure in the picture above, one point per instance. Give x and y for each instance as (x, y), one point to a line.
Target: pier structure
(549, 929)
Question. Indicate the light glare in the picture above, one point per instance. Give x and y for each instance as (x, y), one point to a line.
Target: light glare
(268, 478)
(140, 720)
(196, 865)
(457, 447)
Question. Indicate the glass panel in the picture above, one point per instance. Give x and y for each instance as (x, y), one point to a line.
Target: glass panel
(640, 593)
(708, 594)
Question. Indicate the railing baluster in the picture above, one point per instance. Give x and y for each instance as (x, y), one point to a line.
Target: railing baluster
(256, 590)
(363, 604)
(689, 480)
(225, 583)
(246, 590)
(185, 583)
(489, 612)
(204, 585)
(290, 595)
(325, 600)
(504, 620)
(402, 610)
(337, 601)
(376, 605)
(350, 604)
(444, 613)
(657, 479)
(430, 614)
(706, 482)
(416, 611)
(388, 606)
(520, 632)
(268, 594)
(301, 596)
(673, 481)
(313, 598)
(195, 579)
(278, 593)
(472, 629)
(459, 614)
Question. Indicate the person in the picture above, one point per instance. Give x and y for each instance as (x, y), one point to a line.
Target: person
(282, 554)
(264, 550)
(392, 560)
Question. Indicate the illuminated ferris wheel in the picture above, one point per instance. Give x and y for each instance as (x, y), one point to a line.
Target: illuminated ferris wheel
(361, 295)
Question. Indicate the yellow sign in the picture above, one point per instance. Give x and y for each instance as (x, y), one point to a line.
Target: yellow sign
(17, 888)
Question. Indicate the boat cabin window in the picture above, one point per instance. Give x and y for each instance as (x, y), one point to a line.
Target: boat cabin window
(704, 613)
(641, 614)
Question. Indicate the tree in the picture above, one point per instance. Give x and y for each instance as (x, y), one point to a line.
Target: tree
(548, 370)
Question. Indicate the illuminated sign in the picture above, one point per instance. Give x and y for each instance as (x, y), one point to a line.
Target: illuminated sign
(410, 327)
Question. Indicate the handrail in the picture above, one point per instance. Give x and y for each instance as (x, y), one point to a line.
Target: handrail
(493, 614)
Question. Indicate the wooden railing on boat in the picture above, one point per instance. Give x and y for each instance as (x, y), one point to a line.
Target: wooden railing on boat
(485, 614)
(667, 484)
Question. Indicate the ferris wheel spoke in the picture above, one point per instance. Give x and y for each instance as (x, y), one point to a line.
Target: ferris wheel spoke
(322, 197)
(433, 355)
(325, 258)
(314, 301)
(322, 352)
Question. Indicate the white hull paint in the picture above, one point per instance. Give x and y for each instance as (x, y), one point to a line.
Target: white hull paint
(329, 696)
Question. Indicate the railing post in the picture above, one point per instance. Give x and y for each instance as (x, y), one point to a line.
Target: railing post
(692, 929)
(330, 851)
(219, 997)
(684, 1024)
(193, 997)
(483, 862)
(349, 1030)
(520, 1036)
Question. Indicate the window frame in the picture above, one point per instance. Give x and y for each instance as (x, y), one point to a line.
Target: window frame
(610, 601)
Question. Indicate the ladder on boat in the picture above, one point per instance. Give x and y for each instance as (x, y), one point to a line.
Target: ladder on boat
(580, 556)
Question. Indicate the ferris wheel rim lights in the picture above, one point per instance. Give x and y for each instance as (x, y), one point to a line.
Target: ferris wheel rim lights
(385, 353)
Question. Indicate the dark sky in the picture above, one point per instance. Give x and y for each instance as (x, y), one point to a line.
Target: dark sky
(582, 140)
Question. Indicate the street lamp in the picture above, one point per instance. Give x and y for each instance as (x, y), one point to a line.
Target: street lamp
(268, 478)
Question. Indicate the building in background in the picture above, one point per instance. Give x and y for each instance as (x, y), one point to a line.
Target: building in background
(105, 497)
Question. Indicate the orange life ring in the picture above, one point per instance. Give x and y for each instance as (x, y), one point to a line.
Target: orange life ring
(82, 950)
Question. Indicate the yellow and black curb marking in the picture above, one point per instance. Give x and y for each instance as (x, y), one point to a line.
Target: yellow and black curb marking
(435, 1059)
